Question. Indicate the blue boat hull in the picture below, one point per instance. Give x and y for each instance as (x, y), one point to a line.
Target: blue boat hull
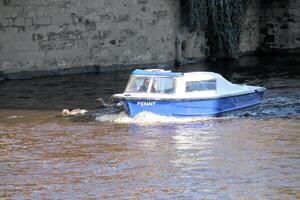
(192, 107)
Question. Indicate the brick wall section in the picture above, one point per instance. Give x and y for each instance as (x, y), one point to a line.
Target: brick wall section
(280, 25)
(38, 35)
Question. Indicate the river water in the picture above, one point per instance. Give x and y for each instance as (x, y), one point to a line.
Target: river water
(252, 153)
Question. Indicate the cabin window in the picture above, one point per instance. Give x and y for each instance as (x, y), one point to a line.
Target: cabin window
(194, 86)
(138, 85)
(163, 85)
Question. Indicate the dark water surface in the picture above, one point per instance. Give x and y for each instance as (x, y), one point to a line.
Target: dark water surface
(253, 153)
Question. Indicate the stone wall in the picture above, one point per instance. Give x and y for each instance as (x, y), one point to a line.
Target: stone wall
(250, 37)
(74, 36)
(47, 35)
(194, 45)
(280, 25)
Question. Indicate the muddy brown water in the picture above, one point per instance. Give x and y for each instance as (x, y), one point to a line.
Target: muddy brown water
(252, 153)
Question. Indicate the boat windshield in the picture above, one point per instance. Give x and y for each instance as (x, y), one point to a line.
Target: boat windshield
(163, 85)
(140, 84)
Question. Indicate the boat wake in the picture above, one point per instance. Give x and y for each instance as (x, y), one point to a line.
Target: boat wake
(274, 105)
(149, 118)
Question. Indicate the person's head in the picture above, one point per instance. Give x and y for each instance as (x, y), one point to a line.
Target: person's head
(146, 81)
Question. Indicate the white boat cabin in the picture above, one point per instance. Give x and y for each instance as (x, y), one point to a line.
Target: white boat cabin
(160, 84)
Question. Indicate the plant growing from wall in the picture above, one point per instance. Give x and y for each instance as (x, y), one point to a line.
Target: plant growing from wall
(194, 13)
(224, 24)
(225, 20)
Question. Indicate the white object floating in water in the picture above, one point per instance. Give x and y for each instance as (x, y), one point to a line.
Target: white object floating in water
(73, 112)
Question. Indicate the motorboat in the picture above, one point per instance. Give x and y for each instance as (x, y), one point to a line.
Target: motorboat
(185, 94)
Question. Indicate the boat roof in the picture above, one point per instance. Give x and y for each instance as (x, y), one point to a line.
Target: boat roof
(156, 72)
(168, 73)
(202, 75)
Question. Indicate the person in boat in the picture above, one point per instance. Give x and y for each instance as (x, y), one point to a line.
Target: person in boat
(144, 86)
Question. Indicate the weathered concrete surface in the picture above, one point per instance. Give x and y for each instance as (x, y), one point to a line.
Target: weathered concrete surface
(50, 37)
(250, 37)
(280, 26)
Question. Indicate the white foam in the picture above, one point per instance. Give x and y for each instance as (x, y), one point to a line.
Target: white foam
(14, 117)
(148, 118)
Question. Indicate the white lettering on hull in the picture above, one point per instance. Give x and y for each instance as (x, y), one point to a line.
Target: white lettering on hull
(150, 103)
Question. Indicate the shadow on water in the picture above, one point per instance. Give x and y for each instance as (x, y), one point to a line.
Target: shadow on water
(56, 93)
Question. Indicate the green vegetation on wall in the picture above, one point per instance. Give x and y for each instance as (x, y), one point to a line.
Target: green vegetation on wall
(194, 13)
(225, 19)
(223, 27)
